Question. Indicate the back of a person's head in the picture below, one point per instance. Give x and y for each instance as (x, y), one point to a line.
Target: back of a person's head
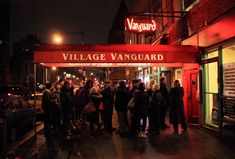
(135, 81)
(48, 86)
(141, 86)
(122, 84)
(89, 84)
(155, 87)
(177, 83)
(162, 79)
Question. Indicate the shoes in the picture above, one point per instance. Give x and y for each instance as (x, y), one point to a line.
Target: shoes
(142, 135)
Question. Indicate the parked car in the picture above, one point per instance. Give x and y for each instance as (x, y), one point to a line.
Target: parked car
(14, 90)
(19, 115)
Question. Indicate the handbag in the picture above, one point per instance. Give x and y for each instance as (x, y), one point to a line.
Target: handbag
(101, 106)
(131, 103)
(89, 108)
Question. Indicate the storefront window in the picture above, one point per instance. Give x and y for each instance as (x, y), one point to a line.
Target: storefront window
(211, 91)
(178, 75)
(228, 62)
(211, 55)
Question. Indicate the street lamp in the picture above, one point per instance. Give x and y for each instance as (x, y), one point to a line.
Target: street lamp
(57, 39)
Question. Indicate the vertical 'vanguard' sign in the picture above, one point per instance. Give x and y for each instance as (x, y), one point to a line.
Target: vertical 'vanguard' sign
(140, 25)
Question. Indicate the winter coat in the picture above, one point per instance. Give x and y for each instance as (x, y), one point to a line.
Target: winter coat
(158, 102)
(46, 100)
(56, 99)
(82, 98)
(96, 99)
(107, 98)
(132, 91)
(177, 103)
(165, 94)
(141, 102)
(67, 99)
(122, 98)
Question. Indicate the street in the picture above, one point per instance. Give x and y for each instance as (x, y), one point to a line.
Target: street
(196, 143)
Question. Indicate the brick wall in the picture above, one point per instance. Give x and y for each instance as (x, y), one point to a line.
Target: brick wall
(206, 11)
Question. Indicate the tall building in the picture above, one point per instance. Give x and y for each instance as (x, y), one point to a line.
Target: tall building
(4, 40)
(22, 60)
(117, 36)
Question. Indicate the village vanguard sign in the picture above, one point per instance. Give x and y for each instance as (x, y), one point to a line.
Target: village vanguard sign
(116, 57)
(100, 57)
(111, 54)
(140, 26)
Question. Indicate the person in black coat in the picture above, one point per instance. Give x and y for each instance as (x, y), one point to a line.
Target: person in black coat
(108, 101)
(157, 102)
(121, 102)
(82, 98)
(177, 107)
(140, 110)
(47, 108)
(135, 85)
(165, 94)
(93, 118)
(67, 103)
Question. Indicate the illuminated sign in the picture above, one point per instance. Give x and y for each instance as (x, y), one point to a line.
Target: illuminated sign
(107, 54)
(140, 26)
(77, 56)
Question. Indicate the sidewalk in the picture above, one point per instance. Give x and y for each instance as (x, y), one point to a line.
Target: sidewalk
(196, 143)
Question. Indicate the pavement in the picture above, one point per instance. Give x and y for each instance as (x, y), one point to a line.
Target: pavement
(196, 143)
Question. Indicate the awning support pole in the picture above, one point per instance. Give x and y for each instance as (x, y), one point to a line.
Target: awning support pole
(35, 110)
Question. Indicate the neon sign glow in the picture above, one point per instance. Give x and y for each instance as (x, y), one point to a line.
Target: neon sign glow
(140, 27)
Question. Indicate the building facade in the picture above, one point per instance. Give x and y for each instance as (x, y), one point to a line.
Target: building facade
(4, 41)
(21, 66)
(208, 25)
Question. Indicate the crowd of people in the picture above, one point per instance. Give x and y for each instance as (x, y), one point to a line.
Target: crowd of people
(135, 106)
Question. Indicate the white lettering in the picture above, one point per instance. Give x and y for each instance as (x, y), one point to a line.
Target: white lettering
(160, 57)
(65, 56)
(141, 26)
(96, 57)
(102, 57)
(113, 56)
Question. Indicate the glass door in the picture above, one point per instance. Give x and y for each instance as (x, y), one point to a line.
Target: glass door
(211, 89)
(211, 102)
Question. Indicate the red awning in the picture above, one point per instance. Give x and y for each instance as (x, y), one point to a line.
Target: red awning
(114, 55)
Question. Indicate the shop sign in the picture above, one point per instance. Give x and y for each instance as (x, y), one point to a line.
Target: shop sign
(229, 107)
(140, 25)
(99, 57)
(229, 79)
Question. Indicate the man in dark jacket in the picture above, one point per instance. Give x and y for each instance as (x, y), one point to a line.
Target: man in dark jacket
(165, 94)
(47, 108)
(67, 104)
(82, 97)
(177, 107)
(135, 85)
(108, 100)
(121, 101)
(140, 111)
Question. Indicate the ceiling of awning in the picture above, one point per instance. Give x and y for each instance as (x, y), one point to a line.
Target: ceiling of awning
(111, 64)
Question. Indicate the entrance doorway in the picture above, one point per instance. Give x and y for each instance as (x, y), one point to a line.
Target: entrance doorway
(192, 96)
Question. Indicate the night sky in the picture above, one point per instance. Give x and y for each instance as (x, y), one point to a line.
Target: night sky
(45, 17)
